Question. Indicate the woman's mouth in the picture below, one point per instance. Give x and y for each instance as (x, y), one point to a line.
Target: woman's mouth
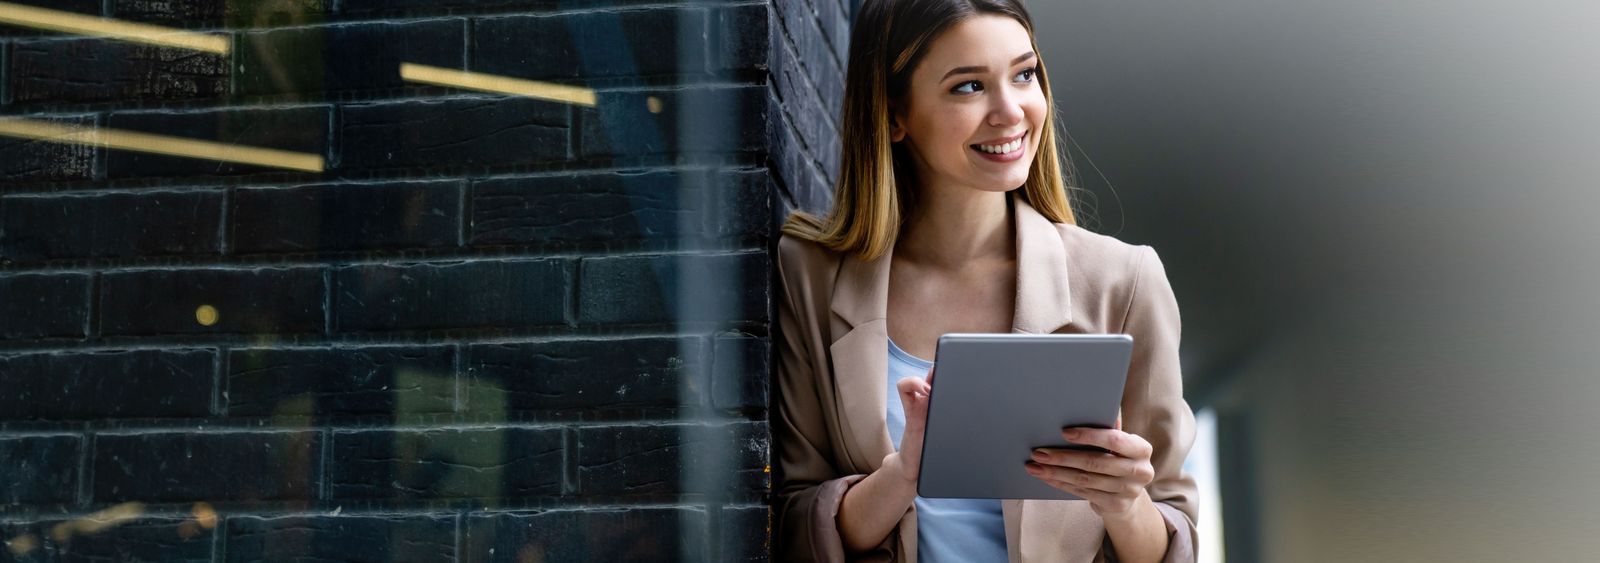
(1002, 150)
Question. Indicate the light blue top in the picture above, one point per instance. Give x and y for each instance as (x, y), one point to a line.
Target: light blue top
(947, 529)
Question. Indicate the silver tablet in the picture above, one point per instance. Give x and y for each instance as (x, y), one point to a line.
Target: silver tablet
(996, 397)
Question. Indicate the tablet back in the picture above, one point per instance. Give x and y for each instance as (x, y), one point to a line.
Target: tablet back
(997, 396)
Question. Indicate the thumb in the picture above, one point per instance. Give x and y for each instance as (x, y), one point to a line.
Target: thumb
(910, 388)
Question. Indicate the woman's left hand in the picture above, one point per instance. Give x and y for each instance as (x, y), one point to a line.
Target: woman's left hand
(1113, 483)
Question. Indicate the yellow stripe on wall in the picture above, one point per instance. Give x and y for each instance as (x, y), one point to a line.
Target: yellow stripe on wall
(159, 144)
(80, 24)
(497, 84)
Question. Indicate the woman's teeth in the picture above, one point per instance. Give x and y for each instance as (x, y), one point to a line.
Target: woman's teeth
(1001, 149)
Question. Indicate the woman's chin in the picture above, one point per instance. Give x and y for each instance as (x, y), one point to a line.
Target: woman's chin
(1001, 183)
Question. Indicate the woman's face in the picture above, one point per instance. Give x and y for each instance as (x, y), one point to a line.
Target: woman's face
(974, 108)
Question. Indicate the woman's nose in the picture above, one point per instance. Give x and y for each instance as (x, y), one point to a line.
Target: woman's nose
(1007, 109)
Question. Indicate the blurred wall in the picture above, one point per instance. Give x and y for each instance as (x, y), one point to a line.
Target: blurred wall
(1377, 218)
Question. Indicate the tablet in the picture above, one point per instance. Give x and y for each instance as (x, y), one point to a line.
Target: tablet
(996, 397)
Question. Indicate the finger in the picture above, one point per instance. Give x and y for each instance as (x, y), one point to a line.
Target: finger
(914, 401)
(1116, 441)
(1119, 421)
(1093, 462)
(1081, 479)
(1087, 493)
(912, 388)
(1100, 499)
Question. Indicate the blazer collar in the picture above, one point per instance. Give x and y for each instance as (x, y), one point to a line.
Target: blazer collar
(861, 291)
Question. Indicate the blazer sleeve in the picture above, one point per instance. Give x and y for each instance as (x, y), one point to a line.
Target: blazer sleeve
(808, 487)
(1153, 406)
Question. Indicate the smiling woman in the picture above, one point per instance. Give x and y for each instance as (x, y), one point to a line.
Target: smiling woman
(951, 215)
(878, 171)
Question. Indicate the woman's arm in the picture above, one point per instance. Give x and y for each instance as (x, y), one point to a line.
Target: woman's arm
(873, 507)
(1154, 408)
(809, 485)
(1138, 488)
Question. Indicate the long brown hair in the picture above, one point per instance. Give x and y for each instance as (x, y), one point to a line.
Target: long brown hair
(870, 200)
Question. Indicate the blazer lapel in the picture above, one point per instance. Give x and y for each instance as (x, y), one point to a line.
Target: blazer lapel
(1044, 297)
(860, 354)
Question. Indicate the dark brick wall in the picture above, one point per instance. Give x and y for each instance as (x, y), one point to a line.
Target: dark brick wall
(495, 328)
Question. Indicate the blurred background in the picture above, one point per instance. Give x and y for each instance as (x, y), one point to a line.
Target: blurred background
(1377, 219)
(490, 280)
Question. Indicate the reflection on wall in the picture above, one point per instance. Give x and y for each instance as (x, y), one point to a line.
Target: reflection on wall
(396, 281)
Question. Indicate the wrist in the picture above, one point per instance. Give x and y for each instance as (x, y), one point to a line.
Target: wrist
(895, 466)
(1136, 511)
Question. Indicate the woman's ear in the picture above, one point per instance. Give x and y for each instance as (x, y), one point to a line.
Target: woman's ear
(897, 131)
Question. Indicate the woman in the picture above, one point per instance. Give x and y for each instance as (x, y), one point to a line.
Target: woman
(946, 115)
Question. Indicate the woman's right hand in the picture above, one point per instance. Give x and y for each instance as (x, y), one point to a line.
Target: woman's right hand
(914, 398)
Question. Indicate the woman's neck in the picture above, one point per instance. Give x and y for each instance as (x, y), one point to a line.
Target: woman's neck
(951, 231)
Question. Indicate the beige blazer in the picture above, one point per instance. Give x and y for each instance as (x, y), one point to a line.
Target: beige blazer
(828, 425)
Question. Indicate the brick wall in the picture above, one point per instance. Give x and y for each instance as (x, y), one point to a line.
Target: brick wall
(494, 328)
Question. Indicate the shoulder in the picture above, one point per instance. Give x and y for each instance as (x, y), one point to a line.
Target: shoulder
(1113, 278)
(1104, 260)
(804, 265)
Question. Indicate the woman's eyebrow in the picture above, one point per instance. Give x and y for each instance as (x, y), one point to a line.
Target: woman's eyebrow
(983, 69)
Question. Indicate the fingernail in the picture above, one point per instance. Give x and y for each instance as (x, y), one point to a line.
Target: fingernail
(1070, 432)
(1038, 456)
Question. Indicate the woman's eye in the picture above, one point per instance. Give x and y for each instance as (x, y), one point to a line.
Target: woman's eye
(1027, 74)
(967, 87)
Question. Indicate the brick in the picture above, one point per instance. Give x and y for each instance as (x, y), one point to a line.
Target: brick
(668, 288)
(639, 535)
(222, 13)
(382, 538)
(24, 160)
(742, 532)
(341, 381)
(39, 469)
(454, 133)
(588, 45)
(616, 207)
(834, 22)
(740, 371)
(347, 57)
(740, 204)
(489, 463)
(98, 385)
(673, 458)
(265, 300)
(299, 129)
(209, 466)
(812, 50)
(720, 120)
(801, 179)
(148, 539)
(744, 37)
(481, 294)
(101, 70)
(806, 112)
(43, 305)
(111, 226)
(586, 374)
(346, 217)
